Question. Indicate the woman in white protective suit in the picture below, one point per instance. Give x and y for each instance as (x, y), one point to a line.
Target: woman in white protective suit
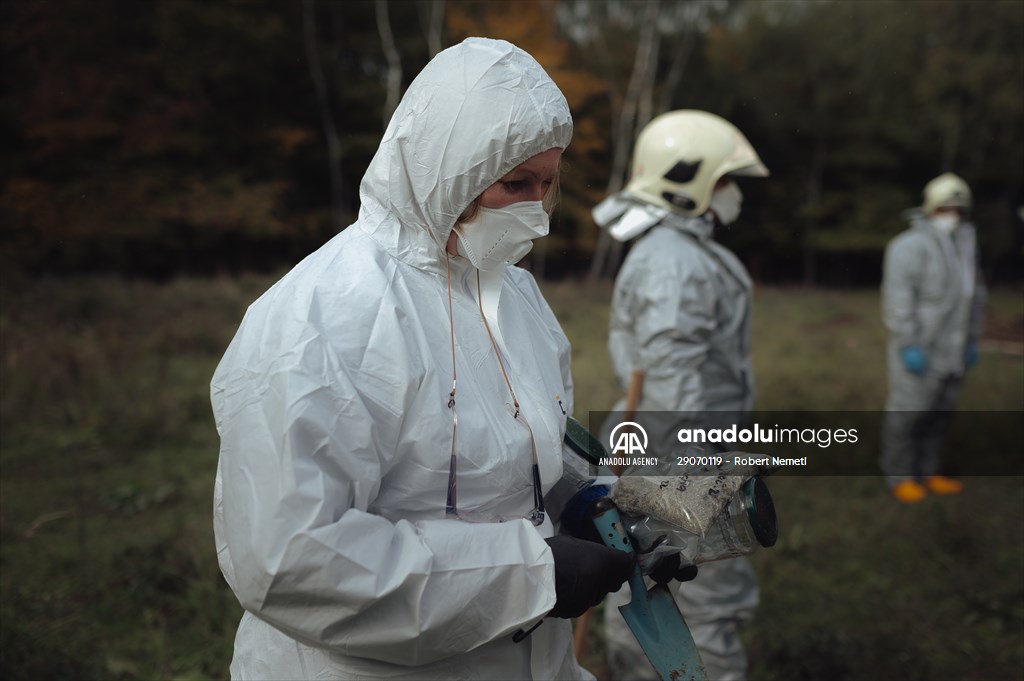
(681, 314)
(392, 411)
(933, 304)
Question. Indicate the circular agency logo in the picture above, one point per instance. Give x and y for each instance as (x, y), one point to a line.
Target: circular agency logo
(628, 438)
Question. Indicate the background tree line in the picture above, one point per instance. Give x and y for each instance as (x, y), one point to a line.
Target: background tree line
(173, 136)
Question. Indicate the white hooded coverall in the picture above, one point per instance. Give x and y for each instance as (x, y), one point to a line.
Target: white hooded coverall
(332, 406)
(681, 313)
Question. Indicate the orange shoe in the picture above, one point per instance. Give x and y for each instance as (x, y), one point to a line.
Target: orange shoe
(909, 492)
(940, 484)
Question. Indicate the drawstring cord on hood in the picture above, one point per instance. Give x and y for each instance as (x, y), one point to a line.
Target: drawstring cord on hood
(451, 326)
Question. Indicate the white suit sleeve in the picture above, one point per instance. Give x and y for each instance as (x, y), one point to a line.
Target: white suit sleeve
(673, 319)
(900, 275)
(303, 453)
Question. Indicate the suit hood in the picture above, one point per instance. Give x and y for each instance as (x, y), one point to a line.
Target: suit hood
(474, 113)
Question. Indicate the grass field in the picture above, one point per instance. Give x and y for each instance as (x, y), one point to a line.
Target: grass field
(107, 568)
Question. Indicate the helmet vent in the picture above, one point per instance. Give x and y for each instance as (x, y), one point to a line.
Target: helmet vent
(679, 200)
(683, 172)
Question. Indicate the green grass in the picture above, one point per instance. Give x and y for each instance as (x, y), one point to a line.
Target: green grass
(107, 567)
(109, 451)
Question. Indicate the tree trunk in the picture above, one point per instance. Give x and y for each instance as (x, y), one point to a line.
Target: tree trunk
(323, 99)
(432, 17)
(951, 138)
(675, 72)
(640, 84)
(394, 59)
(811, 207)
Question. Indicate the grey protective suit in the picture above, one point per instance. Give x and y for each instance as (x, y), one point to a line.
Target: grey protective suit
(933, 298)
(681, 313)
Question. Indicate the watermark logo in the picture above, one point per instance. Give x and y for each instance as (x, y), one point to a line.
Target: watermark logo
(628, 438)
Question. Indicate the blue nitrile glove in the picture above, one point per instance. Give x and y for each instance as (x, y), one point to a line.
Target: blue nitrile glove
(914, 359)
(971, 356)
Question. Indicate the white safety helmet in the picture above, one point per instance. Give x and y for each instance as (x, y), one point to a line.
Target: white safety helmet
(680, 156)
(946, 191)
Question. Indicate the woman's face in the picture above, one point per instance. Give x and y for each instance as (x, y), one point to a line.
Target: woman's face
(528, 181)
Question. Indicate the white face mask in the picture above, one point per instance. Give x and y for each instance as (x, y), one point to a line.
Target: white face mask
(726, 203)
(499, 236)
(946, 222)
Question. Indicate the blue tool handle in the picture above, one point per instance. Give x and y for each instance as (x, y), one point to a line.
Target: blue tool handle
(608, 522)
(609, 525)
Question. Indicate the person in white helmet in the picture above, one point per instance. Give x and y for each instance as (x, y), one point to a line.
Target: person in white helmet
(392, 411)
(932, 303)
(681, 314)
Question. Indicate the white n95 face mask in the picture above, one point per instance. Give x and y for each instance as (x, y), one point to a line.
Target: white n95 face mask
(500, 236)
(946, 222)
(726, 203)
